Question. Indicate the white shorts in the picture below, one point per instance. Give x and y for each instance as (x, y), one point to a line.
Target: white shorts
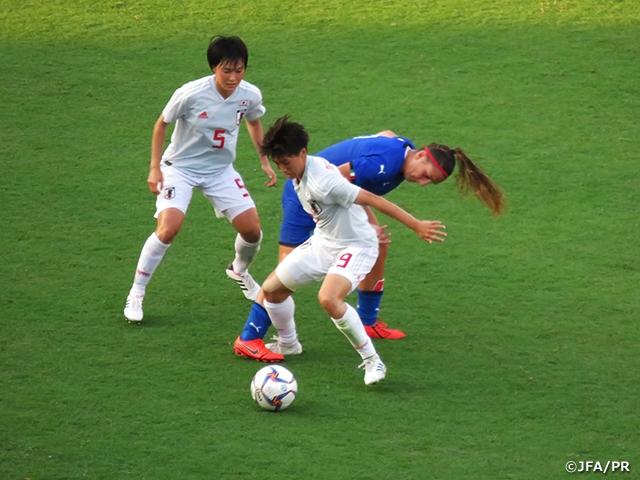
(312, 261)
(225, 191)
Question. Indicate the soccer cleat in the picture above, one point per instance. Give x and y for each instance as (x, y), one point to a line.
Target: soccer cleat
(284, 349)
(256, 349)
(380, 330)
(374, 370)
(246, 282)
(133, 308)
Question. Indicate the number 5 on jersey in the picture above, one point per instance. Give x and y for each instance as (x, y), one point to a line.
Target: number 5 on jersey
(218, 138)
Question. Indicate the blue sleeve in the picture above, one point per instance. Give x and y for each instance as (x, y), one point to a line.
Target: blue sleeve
(371, 169)
(376, 173)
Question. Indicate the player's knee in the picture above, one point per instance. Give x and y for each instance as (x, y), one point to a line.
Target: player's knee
(253, 235)
(273, 289)
(277, 296)
(166, 233)
(247, 224)
(330, 303)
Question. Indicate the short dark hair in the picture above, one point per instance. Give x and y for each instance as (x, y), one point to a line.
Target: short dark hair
(227, 50)
(284, 139)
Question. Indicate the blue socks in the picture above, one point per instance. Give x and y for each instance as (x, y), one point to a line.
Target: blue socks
(369, 306)
(257, 324)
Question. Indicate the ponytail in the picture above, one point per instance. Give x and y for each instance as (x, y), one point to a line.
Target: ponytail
(471, 177)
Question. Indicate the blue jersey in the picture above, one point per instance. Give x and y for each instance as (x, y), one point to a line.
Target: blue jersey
(375, 165)
(376, 162)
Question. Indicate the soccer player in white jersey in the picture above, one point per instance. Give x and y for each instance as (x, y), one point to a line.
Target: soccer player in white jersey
(342, 250)
(378, 163)
(207, 114)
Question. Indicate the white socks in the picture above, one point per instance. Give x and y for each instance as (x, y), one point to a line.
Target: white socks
(281, 315)
(153, 251)
(245, 252)
(150, 258)
(351, 327)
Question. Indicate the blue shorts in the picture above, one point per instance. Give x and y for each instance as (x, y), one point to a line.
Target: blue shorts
(297, 225)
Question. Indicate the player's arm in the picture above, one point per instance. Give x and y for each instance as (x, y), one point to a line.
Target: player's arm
(427, 230)
(383, 236)
(256, 133)
(157, 144)
(345, 170)
(386, 133)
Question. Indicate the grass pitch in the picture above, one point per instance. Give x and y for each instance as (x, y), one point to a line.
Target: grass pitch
(522, 333)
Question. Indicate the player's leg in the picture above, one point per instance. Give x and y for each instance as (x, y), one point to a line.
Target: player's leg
(274, 301)
(258, 322)
(370, 292)
(250, 343)
(247, 244)
(342, 277)
(296, 227)
(331, 296)
(230, 199)
(171, 205)
(281, 308)
(248, 240)
(306, 264)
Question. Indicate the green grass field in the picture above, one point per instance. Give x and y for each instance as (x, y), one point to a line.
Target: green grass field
(522, 346)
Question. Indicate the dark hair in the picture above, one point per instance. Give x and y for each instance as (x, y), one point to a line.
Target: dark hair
(469, 176)
(227, 50)
(284, 139)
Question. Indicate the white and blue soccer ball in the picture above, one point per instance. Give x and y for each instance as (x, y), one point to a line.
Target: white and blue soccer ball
(274, 388)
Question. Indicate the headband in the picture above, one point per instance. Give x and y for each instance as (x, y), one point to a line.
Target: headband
(426, 149)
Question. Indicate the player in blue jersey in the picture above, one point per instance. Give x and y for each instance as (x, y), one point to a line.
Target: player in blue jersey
(378, 164)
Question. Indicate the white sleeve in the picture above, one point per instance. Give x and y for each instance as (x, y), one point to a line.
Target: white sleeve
(337, 189)
(256, 109)
(177, 106)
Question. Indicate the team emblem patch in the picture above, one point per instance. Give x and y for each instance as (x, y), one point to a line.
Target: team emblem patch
(239, 115)
(170, 193)
(315, 207)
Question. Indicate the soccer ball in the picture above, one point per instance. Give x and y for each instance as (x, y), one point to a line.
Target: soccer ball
(274, 388)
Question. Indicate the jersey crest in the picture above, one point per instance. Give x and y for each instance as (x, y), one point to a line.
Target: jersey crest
(315, 207)
(239, 115)
(170, 193)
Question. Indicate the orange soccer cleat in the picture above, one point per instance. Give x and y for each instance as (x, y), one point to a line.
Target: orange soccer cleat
(256, 349)
(380, 330)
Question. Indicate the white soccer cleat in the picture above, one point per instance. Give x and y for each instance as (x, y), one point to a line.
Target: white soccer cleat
(133, 308)
(284, 348)
(246, 283)
(374, 370)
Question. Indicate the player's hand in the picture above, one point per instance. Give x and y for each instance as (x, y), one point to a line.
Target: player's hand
(155, 181)
(430, 231)
(383, 237)
(273, 178)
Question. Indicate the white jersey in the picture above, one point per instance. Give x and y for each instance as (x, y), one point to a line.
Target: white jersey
(207, 126)
(328, 197)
